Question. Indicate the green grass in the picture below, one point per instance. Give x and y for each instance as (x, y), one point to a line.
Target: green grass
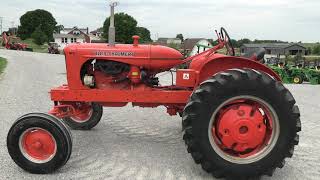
(3, 64)
(35, 47)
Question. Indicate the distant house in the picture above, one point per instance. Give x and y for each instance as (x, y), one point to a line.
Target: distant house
(195, 46)
(276, 49)
(72, 35)
(168, 41)
(97, 33)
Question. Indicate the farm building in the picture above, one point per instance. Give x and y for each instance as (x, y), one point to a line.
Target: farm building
(71, 35)
(168, 41)
(195, 46)
(276, 49)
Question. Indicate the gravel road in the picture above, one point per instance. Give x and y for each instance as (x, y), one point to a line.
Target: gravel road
(129, 143)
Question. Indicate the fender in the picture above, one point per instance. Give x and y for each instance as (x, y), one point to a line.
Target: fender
(207, 68)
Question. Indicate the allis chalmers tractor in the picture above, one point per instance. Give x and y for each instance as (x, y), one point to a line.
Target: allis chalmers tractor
(8, 43)
(238, 119)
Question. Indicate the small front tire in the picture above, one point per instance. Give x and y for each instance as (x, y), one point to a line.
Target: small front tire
(39, 143)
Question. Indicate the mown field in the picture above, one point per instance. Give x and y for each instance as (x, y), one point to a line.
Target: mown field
(3, 63)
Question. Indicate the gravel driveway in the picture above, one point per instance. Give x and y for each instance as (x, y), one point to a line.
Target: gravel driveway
(129, 143)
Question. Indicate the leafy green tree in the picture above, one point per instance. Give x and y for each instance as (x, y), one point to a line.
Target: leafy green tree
(125, 25)
(58, 29)
(31, 20)
(316, 49)
(234, 43)
(243, 41)
(309, 50)
(144, 34)
(180, 36)
(39, 37)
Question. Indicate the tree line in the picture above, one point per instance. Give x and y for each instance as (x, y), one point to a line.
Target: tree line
(40, 26)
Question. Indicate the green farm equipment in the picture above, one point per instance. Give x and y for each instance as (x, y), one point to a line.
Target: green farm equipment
(297, 74)
(282, 73)
(312, 73)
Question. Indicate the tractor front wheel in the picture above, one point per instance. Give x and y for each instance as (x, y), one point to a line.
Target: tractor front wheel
(240, 124)
(39, 143)
(86, 117)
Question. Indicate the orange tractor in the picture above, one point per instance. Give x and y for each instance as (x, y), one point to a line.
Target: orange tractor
(11, 43)
(238, 119)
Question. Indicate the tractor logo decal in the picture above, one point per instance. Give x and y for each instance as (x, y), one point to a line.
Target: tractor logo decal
(106, 53)
(186, 76)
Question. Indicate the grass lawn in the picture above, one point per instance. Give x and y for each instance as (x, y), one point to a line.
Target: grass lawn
(35, 47)
(3, 63)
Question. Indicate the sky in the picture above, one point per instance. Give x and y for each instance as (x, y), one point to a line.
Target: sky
(288, 20)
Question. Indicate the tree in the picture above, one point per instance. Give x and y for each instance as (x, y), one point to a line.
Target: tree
(234, 43)
(125, 25)
(316, 49)
(58, 29)
(38, 36)
(243, 41)
(309, 50)
(31, 20)
(180, 36)
(144, 34)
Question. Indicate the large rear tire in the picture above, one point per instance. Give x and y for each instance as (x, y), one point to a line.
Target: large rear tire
(39, 143)
(240, 124)
(89, 115)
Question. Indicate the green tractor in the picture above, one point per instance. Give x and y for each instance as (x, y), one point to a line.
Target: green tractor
(279, 68)
(288, 74)
(297, 74)
(313, 73)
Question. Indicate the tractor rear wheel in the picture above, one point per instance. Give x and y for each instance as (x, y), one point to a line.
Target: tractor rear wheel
(88, 116)
(39, 143)
(240, 124)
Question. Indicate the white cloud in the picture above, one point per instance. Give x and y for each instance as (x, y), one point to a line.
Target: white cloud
(291, 20)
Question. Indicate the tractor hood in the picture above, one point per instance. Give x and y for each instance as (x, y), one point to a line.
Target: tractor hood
(154, 57)
(152, 52)
(164, 53)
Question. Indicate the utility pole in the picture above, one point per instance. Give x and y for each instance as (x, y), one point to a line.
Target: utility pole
(112, 29)
(1, 20)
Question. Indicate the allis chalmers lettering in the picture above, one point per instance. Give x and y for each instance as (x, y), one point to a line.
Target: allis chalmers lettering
(106, 53)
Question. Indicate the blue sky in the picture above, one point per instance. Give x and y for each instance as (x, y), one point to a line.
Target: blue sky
(290, 20)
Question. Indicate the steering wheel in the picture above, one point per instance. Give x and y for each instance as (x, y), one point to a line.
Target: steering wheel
(227, 40)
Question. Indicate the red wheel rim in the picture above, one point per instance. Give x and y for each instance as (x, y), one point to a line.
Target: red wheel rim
(37, 145)
(244, 129)
(83, 112)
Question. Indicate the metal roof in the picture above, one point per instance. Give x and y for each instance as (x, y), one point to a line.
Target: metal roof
(273, 45)
(68, 36)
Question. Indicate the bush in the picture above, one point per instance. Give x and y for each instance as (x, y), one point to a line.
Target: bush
(39, 37)
(316, 49)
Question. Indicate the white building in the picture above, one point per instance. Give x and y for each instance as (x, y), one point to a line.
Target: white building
(64, 39)
(71, 35)
(167, 41)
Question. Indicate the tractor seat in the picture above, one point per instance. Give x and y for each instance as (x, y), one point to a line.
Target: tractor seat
(256, 55)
